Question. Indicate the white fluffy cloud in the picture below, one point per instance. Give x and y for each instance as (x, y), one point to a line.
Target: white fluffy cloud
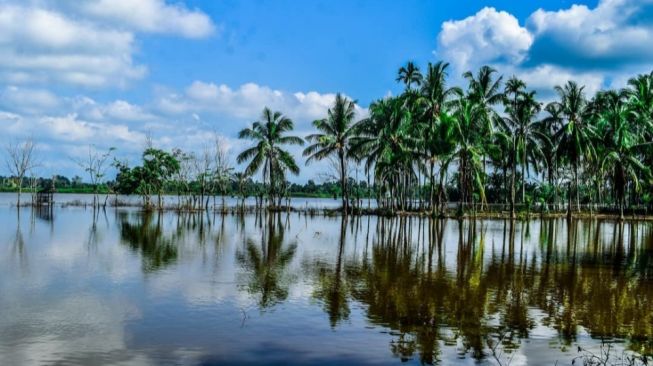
(152, 16)
(41, 46)
(188, 119)
(488, 36)
(90, 44)
(596, 46)
(246, 102)
(615, 33)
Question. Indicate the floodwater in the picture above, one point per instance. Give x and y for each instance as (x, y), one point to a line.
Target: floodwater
(73, 199)
(121, 287)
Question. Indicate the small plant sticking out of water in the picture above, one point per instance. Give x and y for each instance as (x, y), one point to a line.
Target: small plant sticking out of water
(608, 356)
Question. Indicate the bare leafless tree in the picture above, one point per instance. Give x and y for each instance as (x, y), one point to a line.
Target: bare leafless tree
(223, 170)
(95, 164)
(20, 160)
(203, 167)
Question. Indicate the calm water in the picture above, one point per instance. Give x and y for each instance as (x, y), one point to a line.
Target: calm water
(62, 199)
(126, 288)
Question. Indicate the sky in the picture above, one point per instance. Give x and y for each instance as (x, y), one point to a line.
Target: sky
(110, 73)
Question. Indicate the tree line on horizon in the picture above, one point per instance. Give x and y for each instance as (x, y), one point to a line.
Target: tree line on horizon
(434, 141)
(492, 142)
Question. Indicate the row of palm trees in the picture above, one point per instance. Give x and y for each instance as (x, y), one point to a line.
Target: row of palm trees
(435, 142)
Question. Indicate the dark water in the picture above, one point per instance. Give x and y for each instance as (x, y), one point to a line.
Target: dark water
(125, 288)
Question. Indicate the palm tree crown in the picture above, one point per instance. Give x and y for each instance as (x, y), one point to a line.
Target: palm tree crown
(270, 135)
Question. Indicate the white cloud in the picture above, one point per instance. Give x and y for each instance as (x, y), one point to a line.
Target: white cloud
(613, 33)
(90, 43)
(42, 46)
(189, 119)
(488, 36)
(247, 101)
(599, 47)
(126, 111)
(29, 100)
(152, 16)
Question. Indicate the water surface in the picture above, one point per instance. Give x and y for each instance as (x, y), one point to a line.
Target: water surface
(121, 287)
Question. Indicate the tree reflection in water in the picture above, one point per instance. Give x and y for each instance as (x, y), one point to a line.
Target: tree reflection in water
(266, 262)
(479, 288)
(143, 233)
(490, 298)
(331, 286)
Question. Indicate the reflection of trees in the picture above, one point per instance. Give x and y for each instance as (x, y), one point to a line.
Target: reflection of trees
(331, 285)
(144, 233)
(266, 262)
(601, 282)
(18, 247)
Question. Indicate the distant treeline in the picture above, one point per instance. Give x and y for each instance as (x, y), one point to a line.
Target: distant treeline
(250, 187)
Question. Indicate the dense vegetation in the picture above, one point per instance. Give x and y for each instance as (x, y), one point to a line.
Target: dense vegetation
(492, 143)
(435, 143)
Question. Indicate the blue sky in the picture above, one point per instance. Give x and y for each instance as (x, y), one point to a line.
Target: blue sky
(111, 72)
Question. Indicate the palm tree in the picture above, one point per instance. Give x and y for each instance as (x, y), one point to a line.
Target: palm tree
(575, 138)
(337, 130)
(621, 147)
(484, 91)
(469, 151)
(385, 142)
(270, 134)
(434, 95)
(640, 99)
(526, 138)
(409, 75)
(549, 126)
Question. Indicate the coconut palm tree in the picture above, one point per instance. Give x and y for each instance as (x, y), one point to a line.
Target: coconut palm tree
(409, 75)
(485, 91)
(334, 140)
(433, 99)
(468, 153)
(549, 125)
(384, 140)
(267, 154)
(527, 139)
(575, 137)
(621, 149)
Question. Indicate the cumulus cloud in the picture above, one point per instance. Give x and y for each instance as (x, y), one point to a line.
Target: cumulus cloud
(597, 46)
(189, 119)
(40, 46)
(488, 36)
(152, 16)
(89, 44)
(615, 33)
(246, 102)
(28, 100)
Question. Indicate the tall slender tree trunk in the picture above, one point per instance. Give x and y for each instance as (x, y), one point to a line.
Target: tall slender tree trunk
(577, 187)
(432, 186)
(523, 180)
(343, 182)
(512, 185)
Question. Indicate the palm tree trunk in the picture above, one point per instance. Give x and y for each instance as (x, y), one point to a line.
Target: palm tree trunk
(512, 186)
(523, 181)
(343, 182)
(577, 187)
(432, 186)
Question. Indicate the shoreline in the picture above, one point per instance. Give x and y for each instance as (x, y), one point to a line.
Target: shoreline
(334, 212)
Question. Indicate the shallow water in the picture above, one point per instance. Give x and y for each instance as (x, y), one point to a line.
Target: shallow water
(126, 288)
(66, 199)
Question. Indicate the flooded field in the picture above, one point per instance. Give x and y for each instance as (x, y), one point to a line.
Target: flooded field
(123, 287)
